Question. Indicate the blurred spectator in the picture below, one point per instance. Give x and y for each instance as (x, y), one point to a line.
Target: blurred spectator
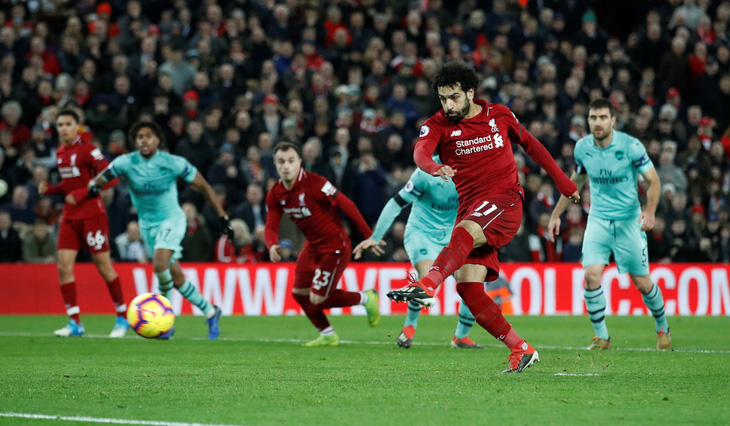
(39, 245)
(10, 243)
(572, 249)
(129, 245)
(659, 242)
(253, 209)
(250, 75)
(11, 112)
(225, 172)
(197, 243)
(240, 250)
(20, 209)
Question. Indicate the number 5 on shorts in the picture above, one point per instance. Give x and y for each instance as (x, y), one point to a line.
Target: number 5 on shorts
(95, 240)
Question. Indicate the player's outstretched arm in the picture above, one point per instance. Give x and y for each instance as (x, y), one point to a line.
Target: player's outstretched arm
(348, 207)
(652, 194)
(391, 210)
(537, 152)
(561, 205)
(97, 184)
(202, 185)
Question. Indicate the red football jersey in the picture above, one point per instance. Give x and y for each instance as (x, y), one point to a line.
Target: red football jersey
(312, 206)
(480, 150)
(77, 164)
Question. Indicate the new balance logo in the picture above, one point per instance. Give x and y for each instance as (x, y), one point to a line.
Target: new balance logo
(456, 133)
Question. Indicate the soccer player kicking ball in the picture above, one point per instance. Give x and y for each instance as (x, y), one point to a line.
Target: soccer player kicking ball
(151, 176)
(84, 223)
(474, 140)
(428, 230)
(313, 203)
(613, 160)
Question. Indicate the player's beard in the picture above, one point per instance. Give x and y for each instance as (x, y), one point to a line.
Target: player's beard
(459, 115)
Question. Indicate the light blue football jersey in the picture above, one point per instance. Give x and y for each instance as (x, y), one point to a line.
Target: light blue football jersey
(435, 203)
(613, 174)
(152, 183)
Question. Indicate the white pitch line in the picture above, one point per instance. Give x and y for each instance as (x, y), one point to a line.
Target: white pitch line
(577, 374)
(103, 420)
(370, 342)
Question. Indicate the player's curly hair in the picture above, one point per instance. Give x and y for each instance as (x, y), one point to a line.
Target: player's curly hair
(455, 73)
(156, 129)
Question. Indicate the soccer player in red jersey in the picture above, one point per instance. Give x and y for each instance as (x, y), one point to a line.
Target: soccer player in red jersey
(312, 202)
(474, 140)
(84, 222)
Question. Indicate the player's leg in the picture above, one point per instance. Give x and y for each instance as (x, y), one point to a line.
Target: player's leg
(470, 286)
(596, 306)
(192, 294)
(630, 241)
(69, 235)
(303, 277)
(104, 265)
(483, 218)
(96, 230)
(597, 242)
(74, 327)
(461, 337)
(324, 294)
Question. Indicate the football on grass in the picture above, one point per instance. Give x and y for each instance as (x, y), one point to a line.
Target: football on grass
(150, 315)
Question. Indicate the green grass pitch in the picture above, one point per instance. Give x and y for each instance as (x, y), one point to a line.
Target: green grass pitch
(258, 373)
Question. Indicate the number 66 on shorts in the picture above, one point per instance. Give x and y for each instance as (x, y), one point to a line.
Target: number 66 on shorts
(91, 232)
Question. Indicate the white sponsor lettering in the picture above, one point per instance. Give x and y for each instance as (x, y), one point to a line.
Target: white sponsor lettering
(535, 284)
(69, 172)
(720, 291)
(456, 133)
(298, 212)
(536, 290)
(697, 277)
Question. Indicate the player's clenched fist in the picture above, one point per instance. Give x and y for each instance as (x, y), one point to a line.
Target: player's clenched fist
(274, 253)
(42, 187)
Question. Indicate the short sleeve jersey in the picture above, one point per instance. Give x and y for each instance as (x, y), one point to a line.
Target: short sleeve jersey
(152, 183)
(434, 200)
(309, 204)
(479, 149)
(613, 174)
(77, 164)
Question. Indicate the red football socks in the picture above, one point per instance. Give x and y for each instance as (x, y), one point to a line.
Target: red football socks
(314, 313)
(340, 298)
(115, 290)
(487, 313)
(451, 258)
(68, 291)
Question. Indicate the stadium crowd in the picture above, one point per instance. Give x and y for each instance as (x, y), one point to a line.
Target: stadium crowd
(348, 81)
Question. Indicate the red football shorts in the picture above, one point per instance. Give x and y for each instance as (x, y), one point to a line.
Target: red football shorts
(92, 232)
(500, 219)
(320, 272)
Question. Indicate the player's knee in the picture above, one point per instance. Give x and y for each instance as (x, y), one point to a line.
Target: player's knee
(65, 269)
(316, 299)
(593, 280)
(159, 266)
